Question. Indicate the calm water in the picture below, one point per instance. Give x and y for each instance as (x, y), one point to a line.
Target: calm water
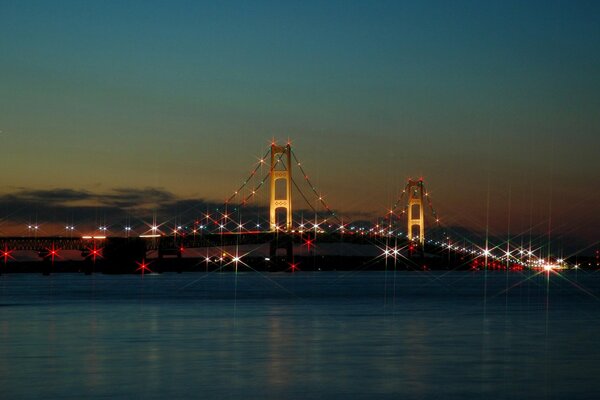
(301, 336)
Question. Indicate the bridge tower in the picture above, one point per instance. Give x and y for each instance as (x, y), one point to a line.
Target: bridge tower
(415, 198)
(281, 169)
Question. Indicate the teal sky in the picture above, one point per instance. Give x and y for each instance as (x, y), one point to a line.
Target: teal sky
(484, 99)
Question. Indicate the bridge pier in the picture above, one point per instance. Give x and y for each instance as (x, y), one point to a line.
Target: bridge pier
(88, 266)
(176, 250)
(47, 261)
(123, 255)
(46, 266)
(285, 242)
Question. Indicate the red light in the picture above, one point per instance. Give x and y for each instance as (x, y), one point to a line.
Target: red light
(308, 243)
(293, 267)
(6, 254)
(143, 266)
(94, 252)
(52, 252)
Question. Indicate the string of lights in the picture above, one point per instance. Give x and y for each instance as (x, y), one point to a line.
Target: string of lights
(314, 189)
(235, 193)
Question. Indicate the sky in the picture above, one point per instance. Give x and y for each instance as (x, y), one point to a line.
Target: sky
(165, 104)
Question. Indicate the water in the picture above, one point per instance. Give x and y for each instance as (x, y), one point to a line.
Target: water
(344, 335)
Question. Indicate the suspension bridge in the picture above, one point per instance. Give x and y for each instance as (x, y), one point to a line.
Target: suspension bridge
(399, 235)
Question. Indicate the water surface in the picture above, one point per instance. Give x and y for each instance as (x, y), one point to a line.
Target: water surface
(338, 335)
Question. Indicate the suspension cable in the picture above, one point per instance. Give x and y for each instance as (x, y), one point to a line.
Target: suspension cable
(314, 189)
(248, 179)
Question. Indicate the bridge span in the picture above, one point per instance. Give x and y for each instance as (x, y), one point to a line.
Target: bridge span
(398, 235)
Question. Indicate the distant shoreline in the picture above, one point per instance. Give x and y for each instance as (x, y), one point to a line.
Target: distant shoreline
(300, 263)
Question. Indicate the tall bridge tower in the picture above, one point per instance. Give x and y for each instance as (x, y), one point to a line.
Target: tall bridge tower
(415, 199)
(281, 170)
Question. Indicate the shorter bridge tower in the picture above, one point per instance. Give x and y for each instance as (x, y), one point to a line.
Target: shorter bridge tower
(281, 169)
(415, 198)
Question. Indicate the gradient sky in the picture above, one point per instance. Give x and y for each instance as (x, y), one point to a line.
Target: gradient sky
(495, 100)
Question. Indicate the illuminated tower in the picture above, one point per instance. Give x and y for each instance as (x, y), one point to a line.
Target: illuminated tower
(281, 169)
(415, 198)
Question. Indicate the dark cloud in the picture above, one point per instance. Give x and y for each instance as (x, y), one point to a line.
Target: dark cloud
(57, 196)
(135, 206)
(129, 198)
(83, 207)
(61, 198)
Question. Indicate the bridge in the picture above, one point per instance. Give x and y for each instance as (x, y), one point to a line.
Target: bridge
(399, 234)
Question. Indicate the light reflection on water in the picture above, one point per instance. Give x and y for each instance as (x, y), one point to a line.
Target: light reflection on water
(300, 336)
